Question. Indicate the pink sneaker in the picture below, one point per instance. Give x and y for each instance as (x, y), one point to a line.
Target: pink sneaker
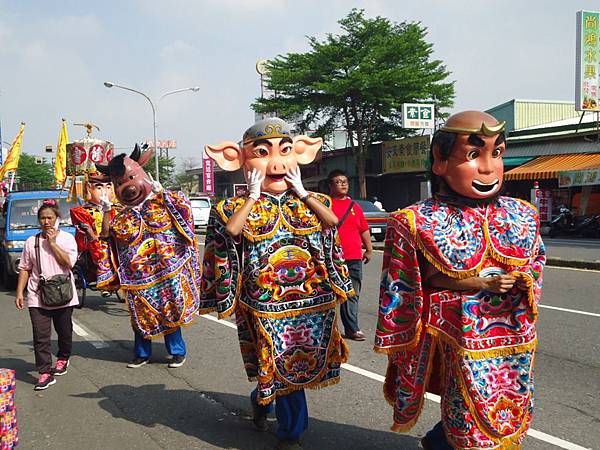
(44, 382)
(61, 367)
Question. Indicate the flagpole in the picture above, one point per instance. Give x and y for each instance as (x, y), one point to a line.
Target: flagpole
(12, 181)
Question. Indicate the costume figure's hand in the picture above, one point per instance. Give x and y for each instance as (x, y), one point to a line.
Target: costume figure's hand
(89, 232)
(294, 177)
(105, 203)
(255, 180)
(499, 284)
(155, 185)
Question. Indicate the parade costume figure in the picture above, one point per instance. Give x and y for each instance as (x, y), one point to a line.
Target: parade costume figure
(272, 258)
(462, 276)
(88, 218)
(152, 255)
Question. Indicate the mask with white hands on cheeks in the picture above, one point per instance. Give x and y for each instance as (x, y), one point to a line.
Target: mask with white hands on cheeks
(269, 156)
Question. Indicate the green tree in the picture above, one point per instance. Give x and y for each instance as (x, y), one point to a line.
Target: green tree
(166, 169)
(185, 181)
(32, 175)
(358, 80)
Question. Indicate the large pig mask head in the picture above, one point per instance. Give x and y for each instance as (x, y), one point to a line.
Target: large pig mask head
(131, 183)
(269, 147)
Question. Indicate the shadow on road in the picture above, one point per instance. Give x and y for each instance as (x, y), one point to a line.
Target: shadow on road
(22, 368)
(216, 418)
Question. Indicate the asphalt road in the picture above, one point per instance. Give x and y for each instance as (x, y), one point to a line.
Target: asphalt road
(100, 404)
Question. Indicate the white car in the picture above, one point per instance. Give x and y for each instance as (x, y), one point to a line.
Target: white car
(200, 210)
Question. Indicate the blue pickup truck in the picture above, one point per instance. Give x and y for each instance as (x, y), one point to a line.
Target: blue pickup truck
(19, 221)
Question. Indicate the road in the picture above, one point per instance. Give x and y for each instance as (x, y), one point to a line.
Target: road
(100, 404)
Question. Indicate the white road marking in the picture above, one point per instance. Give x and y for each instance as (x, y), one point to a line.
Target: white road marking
(574, 311)
(435, 398)
(89, 336)
(576, 269)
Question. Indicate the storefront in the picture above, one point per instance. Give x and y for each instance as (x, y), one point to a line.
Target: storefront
(572, 180)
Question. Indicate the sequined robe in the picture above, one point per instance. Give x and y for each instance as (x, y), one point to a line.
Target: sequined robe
(283, 278)
(153, 256)
(476, 349)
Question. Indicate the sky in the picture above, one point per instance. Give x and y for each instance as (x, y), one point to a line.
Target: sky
(55, 56)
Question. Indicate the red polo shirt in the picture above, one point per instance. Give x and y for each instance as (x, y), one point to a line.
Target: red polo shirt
(350, 231)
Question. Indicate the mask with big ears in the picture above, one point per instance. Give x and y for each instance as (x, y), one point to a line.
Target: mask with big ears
(267, 146)
(473, 167)
(131, 183)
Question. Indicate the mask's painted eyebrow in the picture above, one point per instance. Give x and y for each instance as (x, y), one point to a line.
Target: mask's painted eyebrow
(500, 139)
(475, 140)
(261, 142)
(286, 140)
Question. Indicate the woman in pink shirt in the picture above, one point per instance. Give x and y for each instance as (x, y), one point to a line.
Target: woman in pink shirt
(58, 253)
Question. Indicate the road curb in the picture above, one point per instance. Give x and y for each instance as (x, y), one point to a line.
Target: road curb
(551, 261)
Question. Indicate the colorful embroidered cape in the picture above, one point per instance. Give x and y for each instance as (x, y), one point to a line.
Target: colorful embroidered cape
(476, 349)
(283, 278)
(92, 215)
(9, 429)
(153, 256)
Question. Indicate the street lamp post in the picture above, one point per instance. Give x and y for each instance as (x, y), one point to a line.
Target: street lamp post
(108, 84)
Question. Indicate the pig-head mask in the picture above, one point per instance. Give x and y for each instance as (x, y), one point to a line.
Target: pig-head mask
(131, 183)
(267, 146)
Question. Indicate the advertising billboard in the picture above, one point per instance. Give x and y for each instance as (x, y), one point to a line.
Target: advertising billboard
(406, 155)
(587, 64)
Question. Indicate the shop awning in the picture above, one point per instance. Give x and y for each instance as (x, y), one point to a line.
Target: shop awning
(547, 167)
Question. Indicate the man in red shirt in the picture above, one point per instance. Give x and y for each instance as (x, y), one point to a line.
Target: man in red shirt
(354, 234)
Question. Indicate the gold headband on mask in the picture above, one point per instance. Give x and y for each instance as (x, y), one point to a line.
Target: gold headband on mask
(484, 129)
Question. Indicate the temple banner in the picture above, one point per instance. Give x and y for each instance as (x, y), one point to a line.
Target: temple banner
(82, 155)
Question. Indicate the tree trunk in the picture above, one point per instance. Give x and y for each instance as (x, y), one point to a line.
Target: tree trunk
(362, 181)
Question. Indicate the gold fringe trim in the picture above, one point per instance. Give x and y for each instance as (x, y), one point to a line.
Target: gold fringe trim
(411, 345)
(452, 273)
(281, 315)
(479, 354)
(497, 255)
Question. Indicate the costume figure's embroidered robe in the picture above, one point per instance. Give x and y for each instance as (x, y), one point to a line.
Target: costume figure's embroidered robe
(476, 349)
(153, 257)
(92, 215)
(283, 278)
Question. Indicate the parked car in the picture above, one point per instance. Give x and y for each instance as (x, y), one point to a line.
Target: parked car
(376, 218)
(200, 210)
(19, 221)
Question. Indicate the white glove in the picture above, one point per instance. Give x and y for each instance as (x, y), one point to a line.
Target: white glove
(294, 177)
(105, 203)
(155, 185)
(255, 179)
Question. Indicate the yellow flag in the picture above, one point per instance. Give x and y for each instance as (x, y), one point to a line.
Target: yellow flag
(12, 159)
(60, 166)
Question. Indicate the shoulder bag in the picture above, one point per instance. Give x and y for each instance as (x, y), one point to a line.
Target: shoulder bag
(56, 290)
(352, 203)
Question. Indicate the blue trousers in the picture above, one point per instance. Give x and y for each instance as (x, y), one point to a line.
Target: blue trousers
(292, 414)
(174, 343)
(436, 438)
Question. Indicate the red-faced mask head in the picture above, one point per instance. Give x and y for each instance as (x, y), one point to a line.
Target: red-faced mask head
(471, 163)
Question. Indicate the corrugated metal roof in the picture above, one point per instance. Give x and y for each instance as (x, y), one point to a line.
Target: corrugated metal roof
(546, 167)
(551, 148)
(531, 113)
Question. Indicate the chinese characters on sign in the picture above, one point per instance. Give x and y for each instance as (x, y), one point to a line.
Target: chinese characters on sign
(579, 178)
(418, 115)
(406, 155)
(587, 77)
(170, 143)
(82, 155)
(543, 202)
(208, 179)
